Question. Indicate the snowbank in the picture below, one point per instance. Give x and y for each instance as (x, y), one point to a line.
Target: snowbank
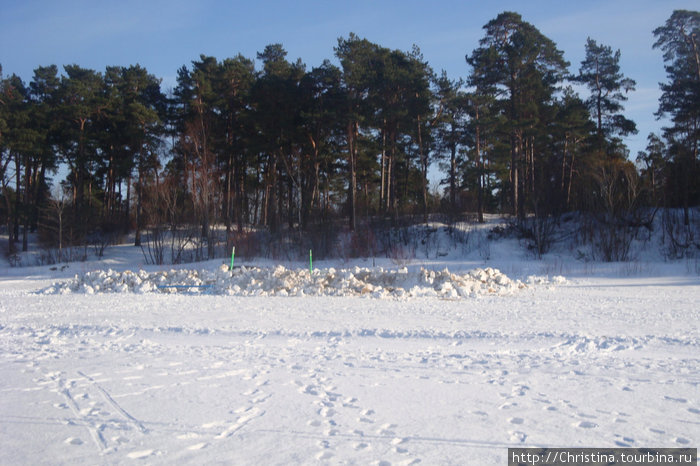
(280, 281)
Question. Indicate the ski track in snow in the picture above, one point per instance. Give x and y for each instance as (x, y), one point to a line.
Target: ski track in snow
(163, 379)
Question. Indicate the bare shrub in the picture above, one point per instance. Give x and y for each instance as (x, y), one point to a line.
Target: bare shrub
(401, 254)
(107, 234)
(618, 195)
(462, 235)
(484, 246)
(539, 231)
(154, 252)
(680, 239)
(430, 241)
(248, 243)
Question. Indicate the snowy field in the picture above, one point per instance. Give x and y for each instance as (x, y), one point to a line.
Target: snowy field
(401, 366)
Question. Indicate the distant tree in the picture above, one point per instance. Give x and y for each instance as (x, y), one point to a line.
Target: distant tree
(144, 108)
(6, 209)
(571, 131)
(600, 72)
(80, 104)
(233, 85)
(451, 129)
(356, 58)
(197, 140)
(18, 143)
(520, 67)
(679, 39)
(421, 98)
(26, 136)
(43, 90)
(322, 108)
(652, 160)
(277, 102)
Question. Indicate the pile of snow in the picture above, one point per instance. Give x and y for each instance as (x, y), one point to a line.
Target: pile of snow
(280, 281)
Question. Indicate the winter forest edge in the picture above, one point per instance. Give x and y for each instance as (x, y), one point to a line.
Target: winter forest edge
(284, 158)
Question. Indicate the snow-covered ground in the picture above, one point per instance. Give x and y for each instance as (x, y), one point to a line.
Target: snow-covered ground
(114, 374)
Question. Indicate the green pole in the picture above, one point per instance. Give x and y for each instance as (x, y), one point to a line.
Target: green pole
(233, 254)
(311, 264)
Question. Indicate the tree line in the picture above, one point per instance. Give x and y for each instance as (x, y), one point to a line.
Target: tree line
(286, 148)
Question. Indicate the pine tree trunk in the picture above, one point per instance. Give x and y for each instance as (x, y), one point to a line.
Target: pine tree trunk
(514, 174)
(127, 213)
(351, 132)
(139, 196)
(480, 174)
(27, 190)
(424, 171)
(453, 179)
(382, 168)
(390, 176)
(18, 188)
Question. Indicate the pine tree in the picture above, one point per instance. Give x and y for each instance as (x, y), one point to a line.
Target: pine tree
(80, 103)
(679, 39)
(653, 164)
(600, 72)
(520, 67)
(356, 58)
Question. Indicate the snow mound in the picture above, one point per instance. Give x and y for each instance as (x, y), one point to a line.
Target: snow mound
(280, 281)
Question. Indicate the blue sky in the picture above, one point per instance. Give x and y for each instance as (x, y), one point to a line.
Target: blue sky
(164, 35)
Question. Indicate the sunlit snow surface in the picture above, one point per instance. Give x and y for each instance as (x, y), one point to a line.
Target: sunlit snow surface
(277, 366)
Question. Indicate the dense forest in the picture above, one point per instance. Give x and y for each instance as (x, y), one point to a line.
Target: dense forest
(288, 156)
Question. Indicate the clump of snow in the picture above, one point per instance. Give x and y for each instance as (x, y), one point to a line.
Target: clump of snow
(280, 281)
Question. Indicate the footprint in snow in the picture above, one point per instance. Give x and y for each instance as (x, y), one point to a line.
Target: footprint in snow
(134, 455)
(260, 398)
(516, 420)
(694, 410)
(198, 446)
(520, 390)
(350, 403)
(682, 441)
(677, 400)
(586, 425)
(387, 429)
(73, 441)
(624, 442)
(309, 390)
(398, 445)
